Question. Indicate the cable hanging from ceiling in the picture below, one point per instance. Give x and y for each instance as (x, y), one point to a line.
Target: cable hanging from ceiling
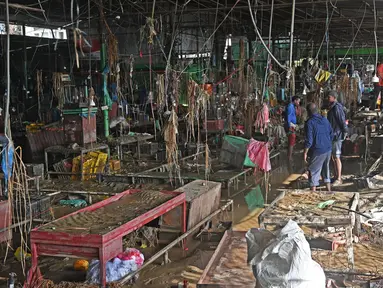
(353, 40)
(262, 41)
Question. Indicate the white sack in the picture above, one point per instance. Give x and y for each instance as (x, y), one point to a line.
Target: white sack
(284, 259)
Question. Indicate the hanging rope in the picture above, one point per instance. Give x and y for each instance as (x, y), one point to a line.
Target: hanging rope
(353, 40)
(39, 88)
(152, 33)
(19, 199)
(268, 55)
(262, 41)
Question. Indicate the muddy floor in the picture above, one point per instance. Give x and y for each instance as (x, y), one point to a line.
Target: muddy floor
(185, 265)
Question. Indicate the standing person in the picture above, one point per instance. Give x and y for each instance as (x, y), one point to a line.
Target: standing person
(378, 87)
(290, 124)
(337, 118)
(318, 147)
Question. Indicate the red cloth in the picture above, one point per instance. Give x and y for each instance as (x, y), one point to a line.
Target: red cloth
(380, 74)
(262, 118)
(292, 139)
(259, 154)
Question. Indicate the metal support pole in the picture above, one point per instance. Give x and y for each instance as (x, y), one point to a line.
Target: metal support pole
(104, 84)
(25, 64)
(6, 118)
(268, 55)
(292, 44)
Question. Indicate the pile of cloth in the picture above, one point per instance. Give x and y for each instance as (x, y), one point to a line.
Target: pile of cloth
(116, 269)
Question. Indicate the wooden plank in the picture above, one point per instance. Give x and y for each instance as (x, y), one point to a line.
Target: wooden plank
(270, 217)
(354, 206)
(66, 251)
(228, 249)
(269, 208)
(350, 248)
(280, 220)
(216, 256)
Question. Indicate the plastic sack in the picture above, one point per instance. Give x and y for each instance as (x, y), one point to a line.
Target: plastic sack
(116, 269)
(284, 259)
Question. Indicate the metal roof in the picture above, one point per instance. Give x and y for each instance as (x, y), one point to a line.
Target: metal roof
(349, 20)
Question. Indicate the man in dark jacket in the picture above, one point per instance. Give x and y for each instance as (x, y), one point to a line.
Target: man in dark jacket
(337, 118)
(318, 147)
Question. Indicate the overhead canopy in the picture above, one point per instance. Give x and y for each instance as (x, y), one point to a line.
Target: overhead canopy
(346, 18)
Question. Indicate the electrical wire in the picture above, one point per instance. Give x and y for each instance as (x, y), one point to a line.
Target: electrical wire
(353, 40)
(376, 39)
(215, 31)
(326, 31)
(90, 52)
(262, 41)
(45, 16)
(268, 56)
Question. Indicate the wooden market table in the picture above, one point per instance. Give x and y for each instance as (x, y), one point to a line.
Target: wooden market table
(125, 140)
(302, 207)
(78, 151)
(96, 231)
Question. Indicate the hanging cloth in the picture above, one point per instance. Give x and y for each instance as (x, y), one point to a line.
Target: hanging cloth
(259, 154)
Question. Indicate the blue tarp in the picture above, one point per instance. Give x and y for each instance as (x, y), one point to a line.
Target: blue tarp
(7, 164)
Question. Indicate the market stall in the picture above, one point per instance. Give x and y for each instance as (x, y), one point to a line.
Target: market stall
(84, 233)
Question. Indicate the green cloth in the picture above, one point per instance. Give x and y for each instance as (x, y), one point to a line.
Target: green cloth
(238, 141)
(73, 203)
(254, 199)
(326, 204)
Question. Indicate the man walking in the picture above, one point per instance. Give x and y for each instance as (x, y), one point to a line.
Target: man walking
(290, 124)
(318, 146)
(337, 118)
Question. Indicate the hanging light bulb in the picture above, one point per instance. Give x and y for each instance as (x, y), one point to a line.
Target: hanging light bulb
(304, 91)
(375, 79)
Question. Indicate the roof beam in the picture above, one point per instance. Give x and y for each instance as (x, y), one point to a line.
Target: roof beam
(20, 6)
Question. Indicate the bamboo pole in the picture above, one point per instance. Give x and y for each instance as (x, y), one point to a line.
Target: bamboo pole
(268, 55)
(292, 46)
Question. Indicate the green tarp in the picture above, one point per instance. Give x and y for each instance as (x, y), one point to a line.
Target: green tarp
(237, 142)
(254, 199)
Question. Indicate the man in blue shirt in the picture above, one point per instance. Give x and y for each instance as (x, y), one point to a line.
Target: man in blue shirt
(318, 147)
(337, 118)
(290, 124)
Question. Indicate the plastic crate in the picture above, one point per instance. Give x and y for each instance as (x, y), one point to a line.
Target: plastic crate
(115, 165)
(35, 170)
(39, 208)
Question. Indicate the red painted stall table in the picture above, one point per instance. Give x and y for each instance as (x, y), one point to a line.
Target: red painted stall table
(97, 230)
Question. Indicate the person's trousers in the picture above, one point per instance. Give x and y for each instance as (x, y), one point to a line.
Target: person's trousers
(319, 165)
(377, 90)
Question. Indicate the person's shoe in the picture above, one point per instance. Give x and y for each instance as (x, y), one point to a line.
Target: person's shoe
(337, 183)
